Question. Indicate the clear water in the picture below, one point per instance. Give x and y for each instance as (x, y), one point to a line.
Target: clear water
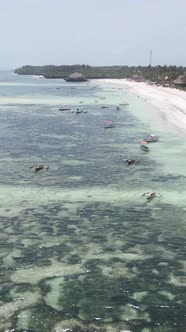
(81, 250)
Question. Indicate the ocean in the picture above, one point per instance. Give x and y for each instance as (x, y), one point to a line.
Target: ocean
(81, 247)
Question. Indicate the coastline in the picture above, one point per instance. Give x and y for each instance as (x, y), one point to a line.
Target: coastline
(169, 101)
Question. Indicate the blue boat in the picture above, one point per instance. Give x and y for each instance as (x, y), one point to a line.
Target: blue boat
(144, 147)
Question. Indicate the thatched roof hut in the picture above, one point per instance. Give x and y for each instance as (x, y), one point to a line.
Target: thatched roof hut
(180, 81)
(76, 77)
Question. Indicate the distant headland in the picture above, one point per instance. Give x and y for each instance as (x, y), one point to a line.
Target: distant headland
(163, 75)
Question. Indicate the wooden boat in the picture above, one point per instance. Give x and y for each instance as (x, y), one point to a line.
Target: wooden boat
(130, 161)
(109, 124)
(39, 167)
(150, 196)
(64, 109)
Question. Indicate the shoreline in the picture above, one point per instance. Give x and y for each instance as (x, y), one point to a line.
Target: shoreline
(171, 102)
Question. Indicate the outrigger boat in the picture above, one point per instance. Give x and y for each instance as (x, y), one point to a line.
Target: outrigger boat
(143, 146)
(79, 111)
(39, 167)
(151, 196)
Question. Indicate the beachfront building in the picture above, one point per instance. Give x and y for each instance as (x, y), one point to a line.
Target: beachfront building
(180, 81)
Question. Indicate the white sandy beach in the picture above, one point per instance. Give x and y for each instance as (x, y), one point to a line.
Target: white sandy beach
(171, 102)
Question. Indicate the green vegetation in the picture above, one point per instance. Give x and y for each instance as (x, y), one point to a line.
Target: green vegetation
(158, 74)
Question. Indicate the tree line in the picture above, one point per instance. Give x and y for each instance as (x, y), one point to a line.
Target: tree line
(152, 73)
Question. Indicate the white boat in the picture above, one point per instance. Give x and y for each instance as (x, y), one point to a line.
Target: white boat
(37, 76)
(124, 104)
(151, 138)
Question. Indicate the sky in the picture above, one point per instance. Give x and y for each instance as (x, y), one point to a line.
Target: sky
(94, 32)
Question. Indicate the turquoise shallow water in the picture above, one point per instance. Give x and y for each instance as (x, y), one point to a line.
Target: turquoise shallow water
(81, 250)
